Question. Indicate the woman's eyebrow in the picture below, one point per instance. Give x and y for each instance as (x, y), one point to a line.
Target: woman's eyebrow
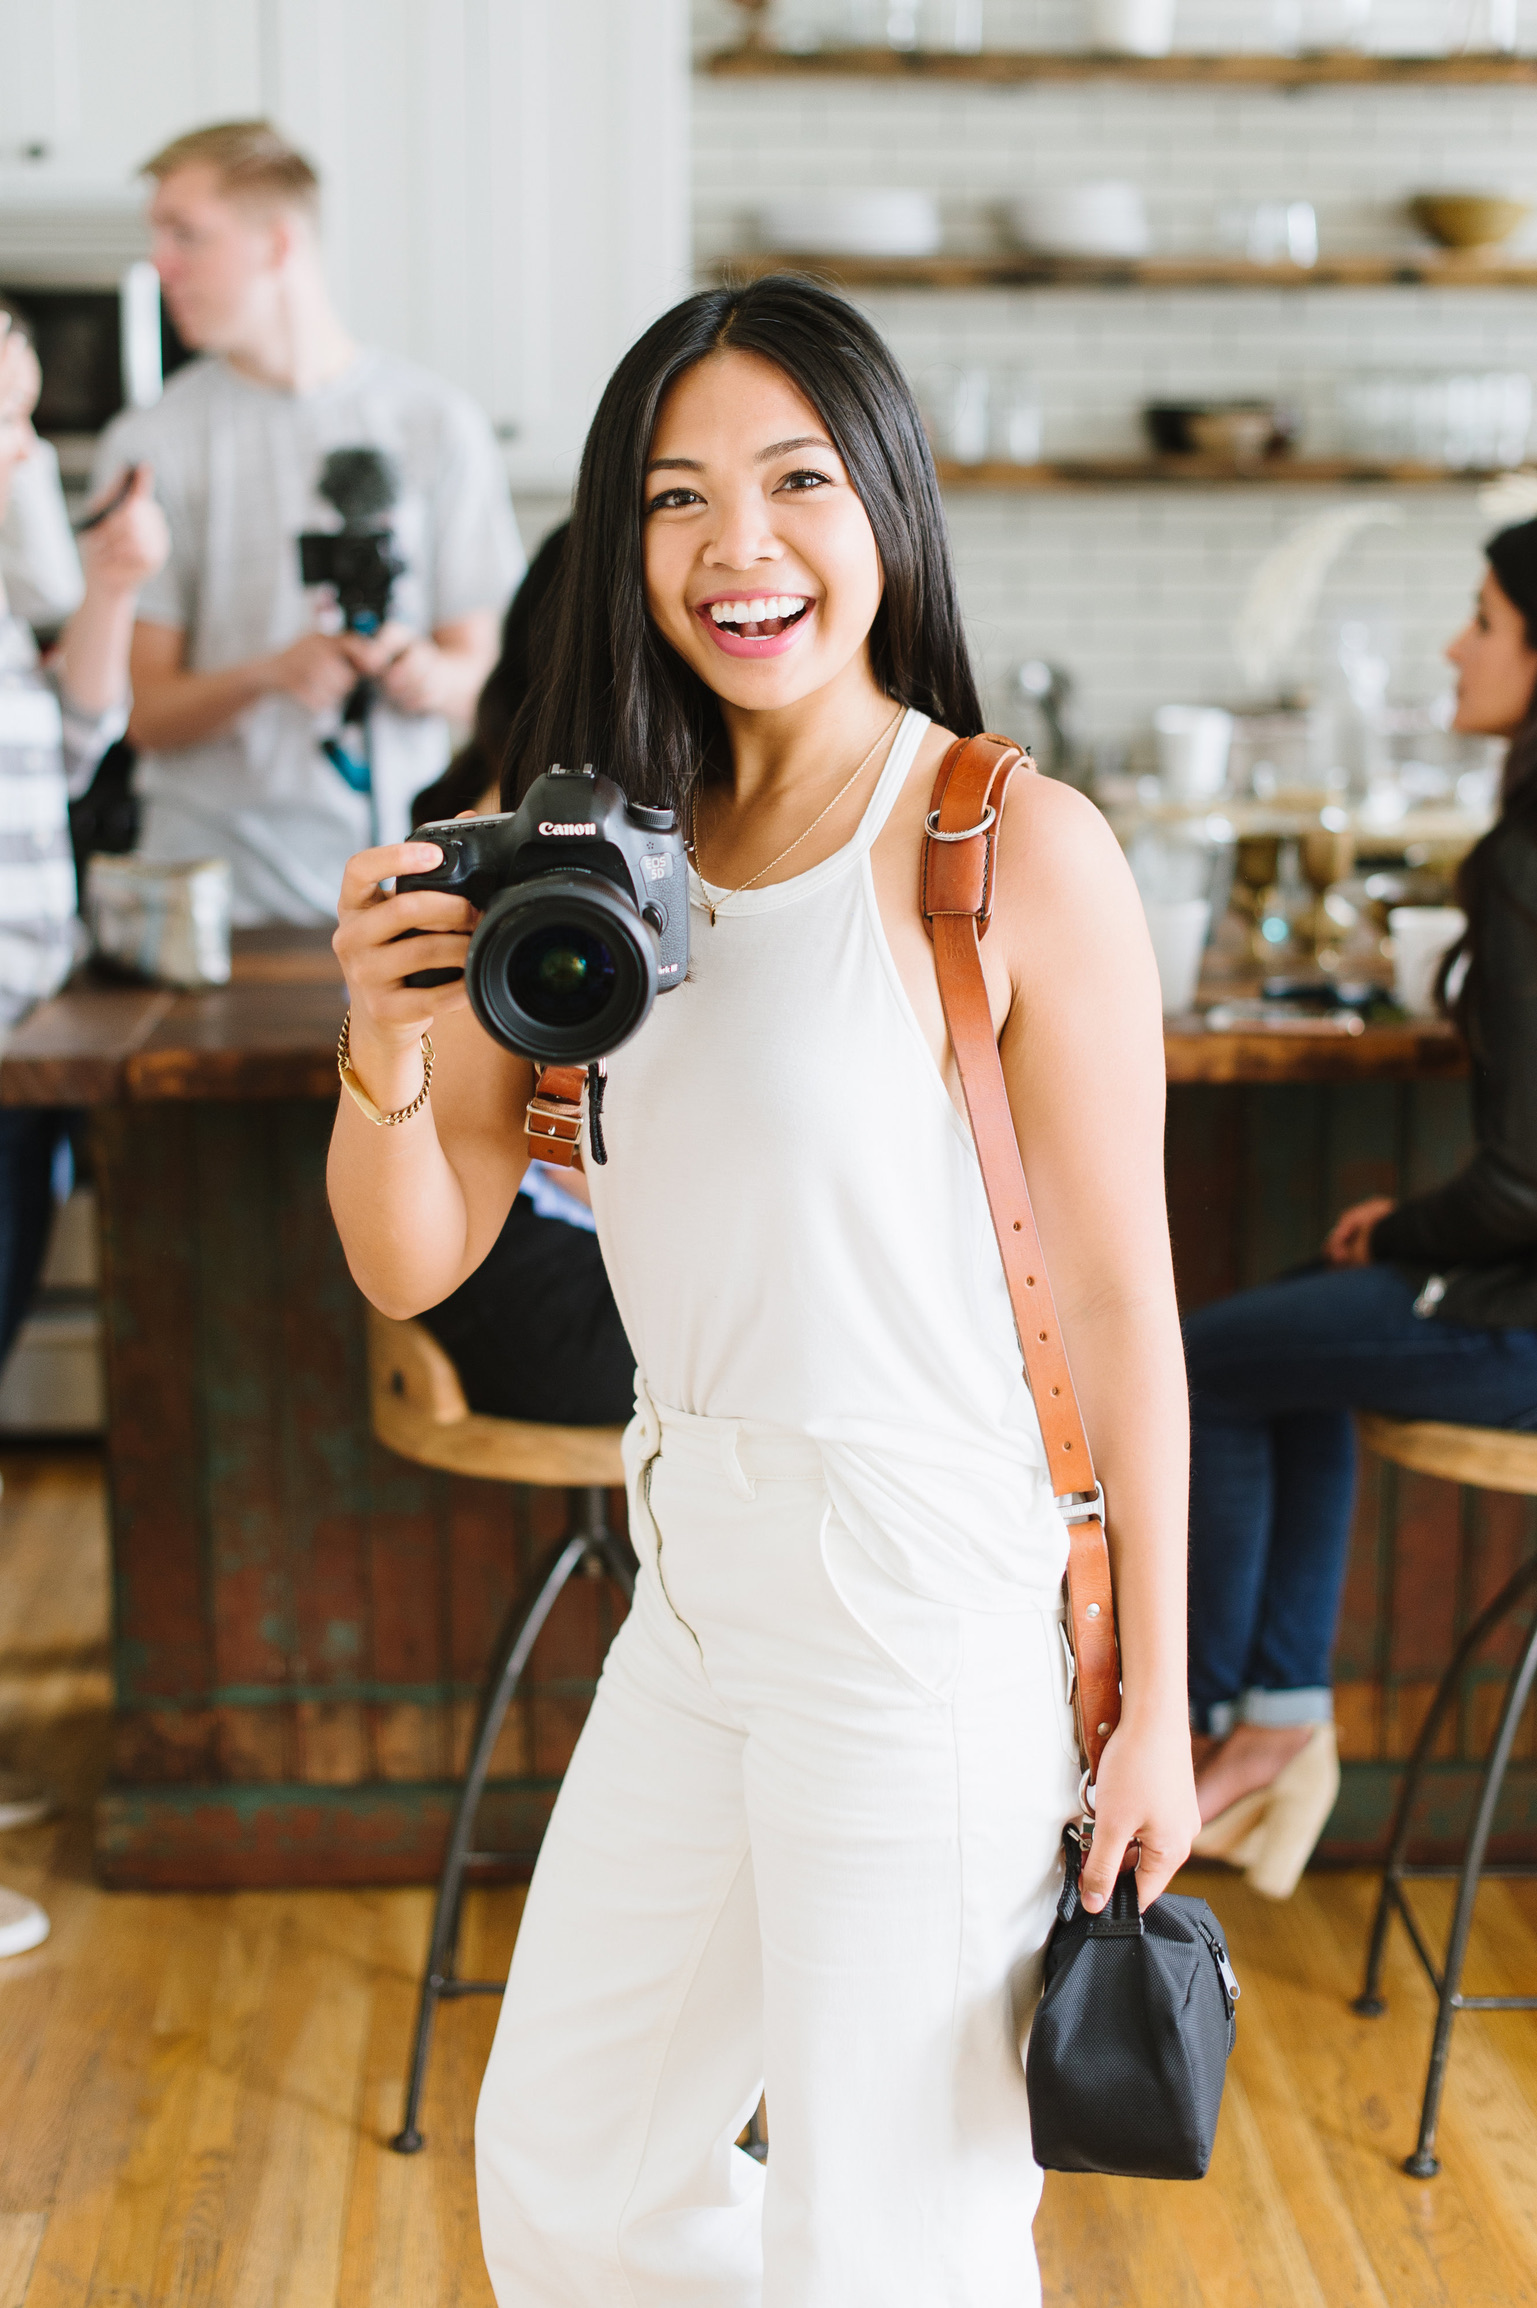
(763, 457)
(783, 448)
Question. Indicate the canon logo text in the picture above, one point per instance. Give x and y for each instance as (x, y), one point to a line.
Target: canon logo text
(548, 825)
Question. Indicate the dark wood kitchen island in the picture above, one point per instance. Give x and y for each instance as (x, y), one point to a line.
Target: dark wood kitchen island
(302, 1619)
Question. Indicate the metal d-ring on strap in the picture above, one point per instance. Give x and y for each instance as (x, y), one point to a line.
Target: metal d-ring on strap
(968, 833)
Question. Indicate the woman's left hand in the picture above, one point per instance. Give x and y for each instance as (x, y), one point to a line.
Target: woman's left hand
(1145, 1791)
(131, 544)
(1350, 1238)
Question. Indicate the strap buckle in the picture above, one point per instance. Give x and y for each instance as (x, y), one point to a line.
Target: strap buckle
(555, 1132)
(1082, 1506)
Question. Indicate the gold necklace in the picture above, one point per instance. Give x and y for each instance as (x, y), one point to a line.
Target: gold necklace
(713, 905)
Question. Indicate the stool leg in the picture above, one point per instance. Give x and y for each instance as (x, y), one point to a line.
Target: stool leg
(512, 1657)
(1370, 2002)
(1422, 2164)
(608, 1550)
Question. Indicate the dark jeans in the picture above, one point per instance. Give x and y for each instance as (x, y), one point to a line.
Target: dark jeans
(1274, 1375)
(534, 1333)
(32, 1139)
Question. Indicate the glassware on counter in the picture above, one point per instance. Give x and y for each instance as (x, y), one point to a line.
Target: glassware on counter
(1192, 742)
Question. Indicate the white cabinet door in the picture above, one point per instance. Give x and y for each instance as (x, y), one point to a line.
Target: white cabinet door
(506, 188)
(90, 88)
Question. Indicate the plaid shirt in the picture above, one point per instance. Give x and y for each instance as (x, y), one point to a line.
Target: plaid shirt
(48, 755)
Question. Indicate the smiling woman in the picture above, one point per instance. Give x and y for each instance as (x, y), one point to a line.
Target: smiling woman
(810, 1839)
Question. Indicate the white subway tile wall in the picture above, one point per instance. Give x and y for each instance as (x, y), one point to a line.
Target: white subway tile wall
(1134, 592)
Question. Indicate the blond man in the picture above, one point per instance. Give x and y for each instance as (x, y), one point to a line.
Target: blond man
(236, 679)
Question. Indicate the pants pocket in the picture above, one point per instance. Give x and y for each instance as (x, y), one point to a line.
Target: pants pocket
(919, 1641)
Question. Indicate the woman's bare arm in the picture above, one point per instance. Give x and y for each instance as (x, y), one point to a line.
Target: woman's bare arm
(420, 1204)
(1082, 1050)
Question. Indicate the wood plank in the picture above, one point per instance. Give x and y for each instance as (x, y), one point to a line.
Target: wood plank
(1345, 68)
(1409, 1053)
(1023, 269)
(1196, 472)
(74, 1049)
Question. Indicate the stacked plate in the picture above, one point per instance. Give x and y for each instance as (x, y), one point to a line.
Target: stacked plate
(873, 223)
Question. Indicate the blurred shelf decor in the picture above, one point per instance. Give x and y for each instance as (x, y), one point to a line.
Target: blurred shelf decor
(1340, 68)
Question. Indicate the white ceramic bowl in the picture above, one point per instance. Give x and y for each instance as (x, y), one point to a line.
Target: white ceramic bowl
(1081, 220)
(891, 223)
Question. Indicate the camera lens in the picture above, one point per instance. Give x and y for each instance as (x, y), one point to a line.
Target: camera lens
(562, 968)
(562, 977)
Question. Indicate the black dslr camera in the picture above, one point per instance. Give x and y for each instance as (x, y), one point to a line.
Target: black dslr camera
(359, 559)
(584, 915)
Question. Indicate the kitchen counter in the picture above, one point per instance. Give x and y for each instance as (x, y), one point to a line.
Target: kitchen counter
(302, 1619)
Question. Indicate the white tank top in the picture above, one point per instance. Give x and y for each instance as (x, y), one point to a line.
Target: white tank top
(794, 1225)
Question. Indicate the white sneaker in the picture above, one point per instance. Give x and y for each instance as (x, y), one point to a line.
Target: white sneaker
(23, 1801)
(22, 1923)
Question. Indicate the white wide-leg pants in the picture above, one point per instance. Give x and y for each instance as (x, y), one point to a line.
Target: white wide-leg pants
(809, 1840)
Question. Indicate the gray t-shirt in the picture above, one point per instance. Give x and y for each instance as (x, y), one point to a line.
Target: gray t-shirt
(236, 465)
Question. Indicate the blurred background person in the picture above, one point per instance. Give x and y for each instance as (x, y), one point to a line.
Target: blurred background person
(1423, 1310)
(234, 686)
(55, 723)
(39, 564)
(534, 1332)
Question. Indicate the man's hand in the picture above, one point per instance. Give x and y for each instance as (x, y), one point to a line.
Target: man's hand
(318, 671)
(130, 544)
(413, 673)
(1350, 1238)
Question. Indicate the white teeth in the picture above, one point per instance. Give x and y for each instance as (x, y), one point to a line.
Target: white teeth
(757, 612)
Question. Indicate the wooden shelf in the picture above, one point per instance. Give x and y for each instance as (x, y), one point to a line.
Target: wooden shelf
(1004, 67)
(1204, 473)
(1020, 269)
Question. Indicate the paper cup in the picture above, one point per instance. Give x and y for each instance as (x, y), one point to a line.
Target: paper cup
(1421, 935)
(1193, 743)
(1179, 931)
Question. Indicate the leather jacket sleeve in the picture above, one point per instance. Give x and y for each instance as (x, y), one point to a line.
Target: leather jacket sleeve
(1489, 1210)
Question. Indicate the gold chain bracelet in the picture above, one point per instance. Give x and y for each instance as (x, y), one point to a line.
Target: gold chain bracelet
(359, 1095)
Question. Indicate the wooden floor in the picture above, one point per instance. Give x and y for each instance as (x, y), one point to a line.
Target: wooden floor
(196, 2093)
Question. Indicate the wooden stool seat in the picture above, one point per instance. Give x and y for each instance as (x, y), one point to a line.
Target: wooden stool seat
(418, 1409)
(1487, 1458)
(1491, 1459)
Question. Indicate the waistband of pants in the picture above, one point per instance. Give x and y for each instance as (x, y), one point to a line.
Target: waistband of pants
(748, 1451)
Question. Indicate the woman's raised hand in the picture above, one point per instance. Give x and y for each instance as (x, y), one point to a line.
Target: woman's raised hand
(388, 1016)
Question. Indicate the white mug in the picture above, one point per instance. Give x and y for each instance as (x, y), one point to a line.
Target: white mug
(1178, 930)
(1193, 743)
(1421, 935)
(1132, 27)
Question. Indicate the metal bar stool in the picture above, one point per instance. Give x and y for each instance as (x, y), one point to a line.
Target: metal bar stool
(1491, 1459)
(418, 1410)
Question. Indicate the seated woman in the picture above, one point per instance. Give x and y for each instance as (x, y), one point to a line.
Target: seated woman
(1424, 1310)
(534, 1332)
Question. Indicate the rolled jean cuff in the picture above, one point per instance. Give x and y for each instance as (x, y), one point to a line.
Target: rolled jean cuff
(1286, 1710)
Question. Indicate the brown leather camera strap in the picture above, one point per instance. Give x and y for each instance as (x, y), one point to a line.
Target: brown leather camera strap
(554, 1121)
(956, 897)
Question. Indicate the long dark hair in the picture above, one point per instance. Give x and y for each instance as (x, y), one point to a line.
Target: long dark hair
(613, 692)
(480, 759)
(1512, 555)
